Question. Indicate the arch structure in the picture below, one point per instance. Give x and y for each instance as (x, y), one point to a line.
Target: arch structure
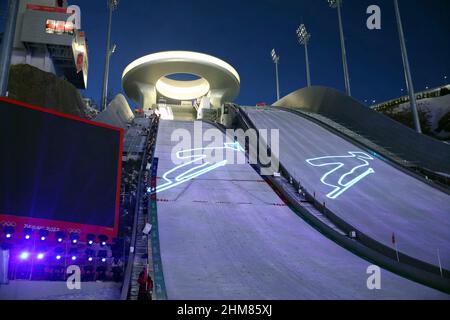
(149, 79)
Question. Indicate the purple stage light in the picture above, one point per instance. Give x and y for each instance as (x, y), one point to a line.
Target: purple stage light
(24, 255)
(58, 257)
(40, 256)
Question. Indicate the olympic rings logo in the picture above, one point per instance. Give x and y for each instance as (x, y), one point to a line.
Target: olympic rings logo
(8, 223)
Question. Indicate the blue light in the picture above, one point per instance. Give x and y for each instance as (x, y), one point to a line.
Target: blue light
(74, 258)
(27, 237)
(40, 256)
(90, 242)
(58, 257)
(103, 259)
(90, 259)
(74, 241)
(103, 243)
(42, 238)
(24, 255)
(8, 235)
(60, 240)
(336, 181)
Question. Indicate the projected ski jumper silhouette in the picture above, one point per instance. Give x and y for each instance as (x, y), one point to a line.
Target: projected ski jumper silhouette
(195, 171)
(346, 171)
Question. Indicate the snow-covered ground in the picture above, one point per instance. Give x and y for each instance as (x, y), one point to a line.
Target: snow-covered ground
(226, 234)
(57, 290)
(437, 107)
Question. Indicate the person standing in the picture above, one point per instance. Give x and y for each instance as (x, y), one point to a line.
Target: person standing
(145, 285)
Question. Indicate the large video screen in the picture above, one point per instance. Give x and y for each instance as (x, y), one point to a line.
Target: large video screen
(58, 168)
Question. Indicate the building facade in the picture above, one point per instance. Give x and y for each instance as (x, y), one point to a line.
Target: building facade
(49, 37)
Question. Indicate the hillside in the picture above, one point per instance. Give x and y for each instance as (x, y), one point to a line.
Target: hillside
(34, 86)
(434, 115)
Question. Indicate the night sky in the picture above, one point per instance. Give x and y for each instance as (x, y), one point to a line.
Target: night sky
(242, 32)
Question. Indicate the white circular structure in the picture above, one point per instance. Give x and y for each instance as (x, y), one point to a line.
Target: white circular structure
(147, 77)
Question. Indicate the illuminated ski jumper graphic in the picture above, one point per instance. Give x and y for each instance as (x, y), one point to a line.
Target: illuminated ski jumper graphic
(336, 176)
(195, 171)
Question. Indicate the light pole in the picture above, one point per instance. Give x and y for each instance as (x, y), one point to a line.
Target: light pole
(7, 43)
(303, 38)
(276, 60)
(112, 5)
(409, 83)
(337, 4)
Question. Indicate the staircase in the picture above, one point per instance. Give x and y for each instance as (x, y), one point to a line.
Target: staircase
(140, 250)
(141, 247)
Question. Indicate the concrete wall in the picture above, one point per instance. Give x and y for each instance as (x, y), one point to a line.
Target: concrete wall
(117, 114)
(39, 59)
(417, 148)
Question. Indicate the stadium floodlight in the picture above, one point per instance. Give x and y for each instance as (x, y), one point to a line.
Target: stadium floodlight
(113, 48)
(276, 60)
(333, 3)
(408, 77)
(303, 38)
(336, 4)
(112, 5)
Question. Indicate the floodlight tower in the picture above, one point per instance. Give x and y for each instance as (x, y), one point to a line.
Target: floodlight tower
(409, 83)
(337, 4)
(112, 5)
(303, 38)
(276, 60)
(7, 44)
